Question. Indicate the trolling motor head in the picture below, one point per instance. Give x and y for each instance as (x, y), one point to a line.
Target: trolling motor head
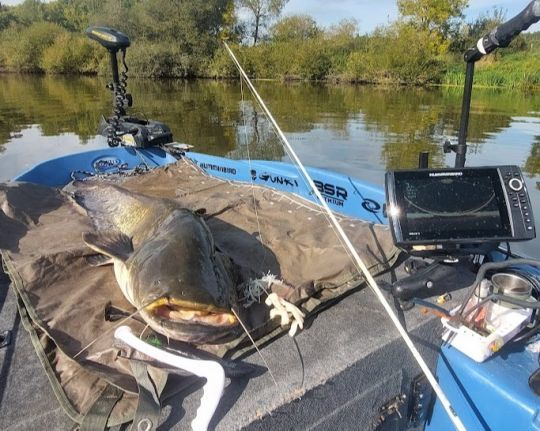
(110, 38)
(120, 128)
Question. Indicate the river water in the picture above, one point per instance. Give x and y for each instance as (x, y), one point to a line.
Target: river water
(356, 130)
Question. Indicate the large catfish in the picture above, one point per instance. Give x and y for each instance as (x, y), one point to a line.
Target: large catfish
(165, 259)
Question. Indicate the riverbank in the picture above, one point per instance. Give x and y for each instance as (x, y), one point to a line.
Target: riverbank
(519, 71)
(517, 74)
(342, 57)
(184, 42)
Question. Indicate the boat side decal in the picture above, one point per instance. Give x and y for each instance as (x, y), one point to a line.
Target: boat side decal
(278, 179)
(218, 168)
(332, 194)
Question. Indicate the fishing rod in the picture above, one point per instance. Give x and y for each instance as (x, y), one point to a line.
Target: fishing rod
(360, 265)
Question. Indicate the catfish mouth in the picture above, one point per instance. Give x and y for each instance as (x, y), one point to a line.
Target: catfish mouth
(174, 311)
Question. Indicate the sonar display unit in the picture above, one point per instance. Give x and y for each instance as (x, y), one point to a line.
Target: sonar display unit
(458, 206)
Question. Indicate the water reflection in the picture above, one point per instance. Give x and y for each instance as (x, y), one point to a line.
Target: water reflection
(359, 131)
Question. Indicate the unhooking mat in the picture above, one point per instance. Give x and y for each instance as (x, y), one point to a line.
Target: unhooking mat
(63, 300)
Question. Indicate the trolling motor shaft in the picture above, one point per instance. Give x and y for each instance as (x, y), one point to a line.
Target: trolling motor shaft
(121, 128)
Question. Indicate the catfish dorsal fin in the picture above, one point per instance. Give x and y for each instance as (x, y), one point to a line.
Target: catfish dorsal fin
(112, 244)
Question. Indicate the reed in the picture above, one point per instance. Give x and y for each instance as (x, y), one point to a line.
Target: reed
(516, 71)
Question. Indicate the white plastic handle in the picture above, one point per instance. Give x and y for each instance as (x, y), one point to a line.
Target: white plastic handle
(210, 370)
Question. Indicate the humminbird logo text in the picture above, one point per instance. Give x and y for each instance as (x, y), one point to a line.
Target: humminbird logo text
(446, 174)
(224, 169)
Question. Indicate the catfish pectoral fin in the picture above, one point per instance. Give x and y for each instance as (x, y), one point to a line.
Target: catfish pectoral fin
(98, 260)
(113, 244)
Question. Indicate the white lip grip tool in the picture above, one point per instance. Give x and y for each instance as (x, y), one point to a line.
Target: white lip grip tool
(210, 370)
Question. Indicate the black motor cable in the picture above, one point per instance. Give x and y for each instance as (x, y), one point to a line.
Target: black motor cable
(494, 266)
(120, 101)
(527, 332)
(510, 299)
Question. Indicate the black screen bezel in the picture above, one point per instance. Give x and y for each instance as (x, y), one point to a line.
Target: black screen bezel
(395, 197)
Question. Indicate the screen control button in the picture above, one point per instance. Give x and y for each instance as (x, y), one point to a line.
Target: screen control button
(515, 184)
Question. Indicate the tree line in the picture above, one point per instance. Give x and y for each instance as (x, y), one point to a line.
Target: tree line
(181, 38)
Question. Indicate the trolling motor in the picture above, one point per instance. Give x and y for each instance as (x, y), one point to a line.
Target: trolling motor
(450, 214)
(121, 129)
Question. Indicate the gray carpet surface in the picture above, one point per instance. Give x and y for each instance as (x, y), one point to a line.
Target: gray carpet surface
(335, 375)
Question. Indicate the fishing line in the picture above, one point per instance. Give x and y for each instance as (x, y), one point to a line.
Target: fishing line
(363, 199)
(252, 181)
(116, 325)
(330, 225)
(306, 183)
(357, 260)
(255, 345)
(255, 204)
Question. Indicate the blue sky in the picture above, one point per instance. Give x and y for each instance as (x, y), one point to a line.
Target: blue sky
(370, 13)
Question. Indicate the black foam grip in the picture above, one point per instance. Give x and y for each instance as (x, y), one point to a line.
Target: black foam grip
(502, 35)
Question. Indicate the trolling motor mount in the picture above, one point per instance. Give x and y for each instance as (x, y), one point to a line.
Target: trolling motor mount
(121, 129)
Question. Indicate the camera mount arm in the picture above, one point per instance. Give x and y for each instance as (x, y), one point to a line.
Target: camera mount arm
(500, 37)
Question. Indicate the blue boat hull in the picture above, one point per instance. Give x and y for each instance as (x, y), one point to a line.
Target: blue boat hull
(343, 194)
(493, 395)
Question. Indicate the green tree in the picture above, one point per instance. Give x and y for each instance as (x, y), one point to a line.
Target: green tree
(74, 15)
(294, 28)
(438, 17)
(30, 11)
(262, 11)
(472, 31)
(7, 17)
(231, 28)
(23, 46)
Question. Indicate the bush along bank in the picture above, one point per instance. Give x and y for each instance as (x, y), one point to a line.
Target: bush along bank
(38, 37)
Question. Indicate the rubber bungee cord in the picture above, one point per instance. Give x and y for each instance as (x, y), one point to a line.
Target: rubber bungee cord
(361, 266)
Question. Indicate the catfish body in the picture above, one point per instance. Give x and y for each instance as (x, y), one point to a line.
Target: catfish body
(165, 262)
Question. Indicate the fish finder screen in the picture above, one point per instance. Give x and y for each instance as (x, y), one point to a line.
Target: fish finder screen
(451, 206)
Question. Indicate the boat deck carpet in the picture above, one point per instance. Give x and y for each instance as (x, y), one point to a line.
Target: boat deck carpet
(349, 355)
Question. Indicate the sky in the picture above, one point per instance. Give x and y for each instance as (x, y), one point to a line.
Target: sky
(370, 14)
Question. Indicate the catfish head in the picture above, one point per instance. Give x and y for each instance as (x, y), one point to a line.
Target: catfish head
(165, 262)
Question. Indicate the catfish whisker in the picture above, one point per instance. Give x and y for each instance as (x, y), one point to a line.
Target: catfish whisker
(116, 325)
(143, 331)
(255, 345)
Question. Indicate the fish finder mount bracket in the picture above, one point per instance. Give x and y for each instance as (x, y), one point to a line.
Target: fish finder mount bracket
(121, 129)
